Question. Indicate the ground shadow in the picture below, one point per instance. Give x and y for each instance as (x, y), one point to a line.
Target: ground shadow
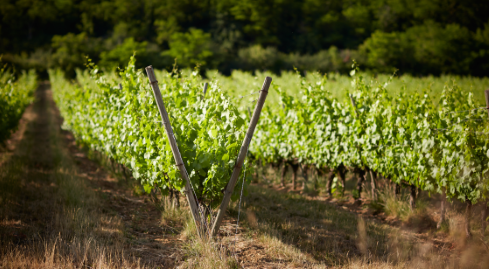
(327, 232)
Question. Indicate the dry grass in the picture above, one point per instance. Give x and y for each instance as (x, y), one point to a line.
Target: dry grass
(306, 232)
(202, 252)
(207, 254)
(396, 206)
(321, 232)
(50, 217)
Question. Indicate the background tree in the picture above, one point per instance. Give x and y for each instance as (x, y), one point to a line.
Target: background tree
(420, 37)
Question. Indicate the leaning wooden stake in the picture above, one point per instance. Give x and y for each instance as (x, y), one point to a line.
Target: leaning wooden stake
(353, 104)
(205, 90)
(205, 87)
(486, 94)
(241, 156)
(174, 148)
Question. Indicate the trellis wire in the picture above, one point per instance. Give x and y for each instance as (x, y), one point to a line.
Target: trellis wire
(254, 100)
(452, 112)
(460, 131)
(193, 191)
(474, 119)
(239, 210)
(243, 96)
(198, 204)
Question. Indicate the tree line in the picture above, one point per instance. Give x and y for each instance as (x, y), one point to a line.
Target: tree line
(420, 37)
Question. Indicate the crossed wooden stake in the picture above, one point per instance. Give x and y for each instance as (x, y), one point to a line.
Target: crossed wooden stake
(198, 218)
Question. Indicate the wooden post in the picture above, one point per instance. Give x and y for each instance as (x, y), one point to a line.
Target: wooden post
(486, 94)
(353, 104)
(241, 156)
(205, 89)
(194, 208)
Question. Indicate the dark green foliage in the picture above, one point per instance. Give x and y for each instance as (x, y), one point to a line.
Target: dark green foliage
(419, 37)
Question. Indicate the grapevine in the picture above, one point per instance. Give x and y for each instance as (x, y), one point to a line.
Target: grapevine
(15, 95)
(123, 122)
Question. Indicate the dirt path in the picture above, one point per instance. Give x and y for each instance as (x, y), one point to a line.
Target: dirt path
(25, 174)
(146, 238)
(50, 191)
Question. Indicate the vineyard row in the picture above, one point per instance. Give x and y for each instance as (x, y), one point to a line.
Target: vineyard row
(407, 139)
(15, 95)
